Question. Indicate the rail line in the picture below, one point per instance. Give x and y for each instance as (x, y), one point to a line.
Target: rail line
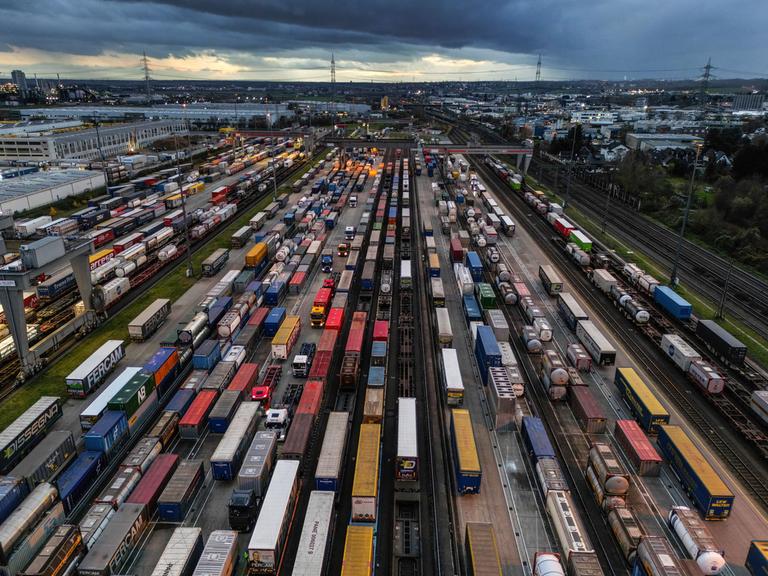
(743, 465)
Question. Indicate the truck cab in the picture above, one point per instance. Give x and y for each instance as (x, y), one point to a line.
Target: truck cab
(331, 282)
(326, 260)
(349, 233)
(343, 250)
(243, 510)
(277, 419)
(302, 362)
(353, 201)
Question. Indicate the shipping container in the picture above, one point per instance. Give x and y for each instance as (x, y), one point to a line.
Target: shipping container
(464, 450)
(679, 351)
(257, 464)
(12, 492)
(598, 346)
(637, 447)
(180, 402)
(154, 481)
(27, 430)
(535, 438)
(587, 410)
(328, 471)
(219, 556)
(94, 370)
(297, 439)
(570, 309)
(656, 557)
(267, 542)
(58, 554)
(486, 351)
(119, 488)
(373, 407)
(721, 342)
(227, 457)
(311, 555)
(195, 420)
(707, 490)
(44, 462)
(108, 434)
(407, 459)
(453, 383)
(75, 482)
(124, 530)
(30, 544)
(223, 411)
(206, 355)
(176, 499)
(181, 554)
(757, 557)
(358, 551)
(365, 486)
(94, 522)
(482, 550)
(649, 412)
(672, 303)
(147, 323)
(163, 368)
(132, 396)
(220, 376)
(143, 454)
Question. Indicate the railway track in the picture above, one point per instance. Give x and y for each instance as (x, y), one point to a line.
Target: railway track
(748, 470)
(748, 300)
(11, 368)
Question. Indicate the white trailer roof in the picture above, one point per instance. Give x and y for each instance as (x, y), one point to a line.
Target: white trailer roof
(267, 531)
(174, 560)
(407, 446)
(452, 371)
(329, 462)
(233, 437)
(310, 555)
(90, 363)
(99, 403)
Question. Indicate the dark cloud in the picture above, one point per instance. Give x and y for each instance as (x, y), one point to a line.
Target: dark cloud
(604, 38)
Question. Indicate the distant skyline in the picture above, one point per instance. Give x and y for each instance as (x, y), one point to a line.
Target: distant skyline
(383, 41)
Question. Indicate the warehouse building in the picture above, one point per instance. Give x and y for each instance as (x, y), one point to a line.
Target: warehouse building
(43, 188)
(84, 145)
(657, 141)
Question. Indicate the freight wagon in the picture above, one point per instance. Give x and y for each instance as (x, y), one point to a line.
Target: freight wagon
(468, 473)
(704, 486)
(143, 454)
(444, 329)
(407, 459)
(535, 439)
(451, 377)
(268, 540)
(637, 447)
(373, 406)
(721, 342)
(649, 412)
(570, 309)
(154, 481)
(147, 323)
(195, 420)
(311, 554)
(550, 280)
(29, 512)
(30, 544)
(94, 521)
(27, 430)
(328, 470)
(78, 478)
(60, 552)
(297, 440)
(598, 346)
(223, 411)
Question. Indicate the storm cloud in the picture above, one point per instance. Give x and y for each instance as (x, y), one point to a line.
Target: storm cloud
(389, 39)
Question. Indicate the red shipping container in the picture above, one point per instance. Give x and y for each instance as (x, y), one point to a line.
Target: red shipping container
(457, 251)
(153, 482)
(296, 282)
(102, 237)
(521, 290)
(258, 317)
(356, 333)
(335, 319)
(563, 227)
(320, 365)
(311, 398)
(380, 331)
(637, 447)
(327, 340)
(245, 379)
(586, 409)
(196, 417)
(298, 437)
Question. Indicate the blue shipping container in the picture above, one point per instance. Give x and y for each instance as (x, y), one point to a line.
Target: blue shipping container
(76, 480)
(215, 313)
(53, 290)
(180, 401)
(757, 557)
(674, 304)
(207, 355)
(475, 266)
(108, 433)
(376, 376)
(273, 321)
(536, 439)
(471, 308)
(275, 293)
(486, 351)
(12, 492)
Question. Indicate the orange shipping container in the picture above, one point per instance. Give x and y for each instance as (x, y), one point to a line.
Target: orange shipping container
(255, 255)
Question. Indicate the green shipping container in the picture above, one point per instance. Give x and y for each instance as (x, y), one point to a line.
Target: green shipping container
(486, 295)
(377, 225)
(133, 394)
(581, 240)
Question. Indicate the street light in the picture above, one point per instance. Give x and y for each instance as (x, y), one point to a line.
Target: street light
(673, 279)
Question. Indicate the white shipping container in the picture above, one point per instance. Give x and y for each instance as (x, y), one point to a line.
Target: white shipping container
(181, 552)
(328, 470)
(219, 555)
(508, 358)
(681, 353)
(498, 323)
(313, 542)
(407, 448)
(444, 330)
(603, 279)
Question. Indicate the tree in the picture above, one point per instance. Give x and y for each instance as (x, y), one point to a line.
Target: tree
(726, 140)
(751, 160)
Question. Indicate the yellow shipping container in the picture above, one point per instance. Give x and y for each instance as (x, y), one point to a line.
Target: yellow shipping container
(283, 334)
(358, 551)
(709, 477)
(465, 441)
(255, 255)
(366, 482)
(101, 255)
(633, 379)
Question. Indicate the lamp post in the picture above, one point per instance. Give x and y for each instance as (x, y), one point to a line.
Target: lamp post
(673, 278)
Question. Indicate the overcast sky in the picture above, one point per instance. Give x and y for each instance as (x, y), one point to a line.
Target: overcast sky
(392, 40)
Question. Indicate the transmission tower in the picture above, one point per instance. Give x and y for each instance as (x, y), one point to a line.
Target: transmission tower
(145, 65)
(705, 78)
(538, 71)
(333, 90)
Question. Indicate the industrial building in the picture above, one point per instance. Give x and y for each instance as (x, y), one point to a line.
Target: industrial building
(42, 188)
(84, 145)
(659, 141)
